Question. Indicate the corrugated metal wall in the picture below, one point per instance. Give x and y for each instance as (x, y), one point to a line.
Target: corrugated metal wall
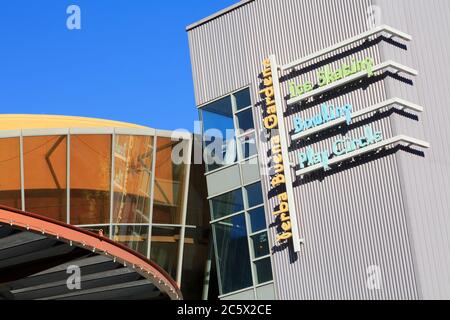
(351, 219)
(425, 184)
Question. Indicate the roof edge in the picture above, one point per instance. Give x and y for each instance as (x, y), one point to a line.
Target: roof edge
(218, 14)
(99, 237)
(110, 122)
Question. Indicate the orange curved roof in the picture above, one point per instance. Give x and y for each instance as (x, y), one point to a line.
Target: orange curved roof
(30, 121)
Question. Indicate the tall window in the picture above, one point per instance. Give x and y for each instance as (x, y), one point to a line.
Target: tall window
(239, 223)
(233, 254)
(228, 130)
(10, 194)
(165, 248)
(241, 240)
(169, 183)
(45, 176)
(132, 178)
(90, 179)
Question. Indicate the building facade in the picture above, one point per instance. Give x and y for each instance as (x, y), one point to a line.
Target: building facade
(131, 182)
(338, 142)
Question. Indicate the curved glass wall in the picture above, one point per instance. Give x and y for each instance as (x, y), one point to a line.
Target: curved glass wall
(130, 187)
(169, 183)
(10, 193)
(133, 159)
(45, 175)
(90, 179)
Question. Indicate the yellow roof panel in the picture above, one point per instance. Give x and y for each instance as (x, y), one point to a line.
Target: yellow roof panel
(29, 121)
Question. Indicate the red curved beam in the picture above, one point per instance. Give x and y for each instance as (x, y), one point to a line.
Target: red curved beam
(86, 239)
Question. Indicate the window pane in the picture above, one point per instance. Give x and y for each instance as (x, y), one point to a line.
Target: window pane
(263, 271)
(243, 99)
(245, 120)
(227, 204)
(260, 245)
(248, 146)
(10, 195)
(45, 176)
(218, 134)
(258, 220)
(196, 246)
(90, 179)
(164, 249)
(233, 255)
(132, 167)
(169, 183)
(254, 195)
(134, 237)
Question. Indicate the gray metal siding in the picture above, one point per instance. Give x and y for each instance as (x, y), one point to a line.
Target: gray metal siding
(425, 184)
(354, 218)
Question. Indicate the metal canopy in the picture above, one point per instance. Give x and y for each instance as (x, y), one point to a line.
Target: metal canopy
(34, 264)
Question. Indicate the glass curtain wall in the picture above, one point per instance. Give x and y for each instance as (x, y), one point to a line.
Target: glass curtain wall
(10, 185)
(45, 176)
(238, 217)
(90, 179)
(131, 188)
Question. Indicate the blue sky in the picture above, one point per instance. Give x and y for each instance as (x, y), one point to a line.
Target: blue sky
(129, 62)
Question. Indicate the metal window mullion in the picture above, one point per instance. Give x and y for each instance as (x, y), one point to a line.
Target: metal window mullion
(184, 208)
(22, 178)
(207, 273)
(68, 178)
(267, 256)
(236, 128)
(216, 251)
(227, 217)
(92, 225)
(249, 240)
(152, 196)
(258, 232)
(113, 173)
(243, 109)
(246, 133)
(214, 238)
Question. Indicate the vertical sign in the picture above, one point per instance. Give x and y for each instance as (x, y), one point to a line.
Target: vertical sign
(287, 208)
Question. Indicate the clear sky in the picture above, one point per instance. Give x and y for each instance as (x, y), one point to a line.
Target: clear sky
(129, 62)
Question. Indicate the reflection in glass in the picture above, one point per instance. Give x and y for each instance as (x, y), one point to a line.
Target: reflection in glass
(257, 219)
(263, 271)
(254, 195)
(132, 167)
(98, 230)
(233, 254)
(90, 174)
(134, 237)
(243, 99)
(196, 245)
(218, 133)
(10, 194)
(164, 248)
(227, 204)
(169, 183)
(245, 120)
(45, 176)
(260, 245)
(248, 146)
